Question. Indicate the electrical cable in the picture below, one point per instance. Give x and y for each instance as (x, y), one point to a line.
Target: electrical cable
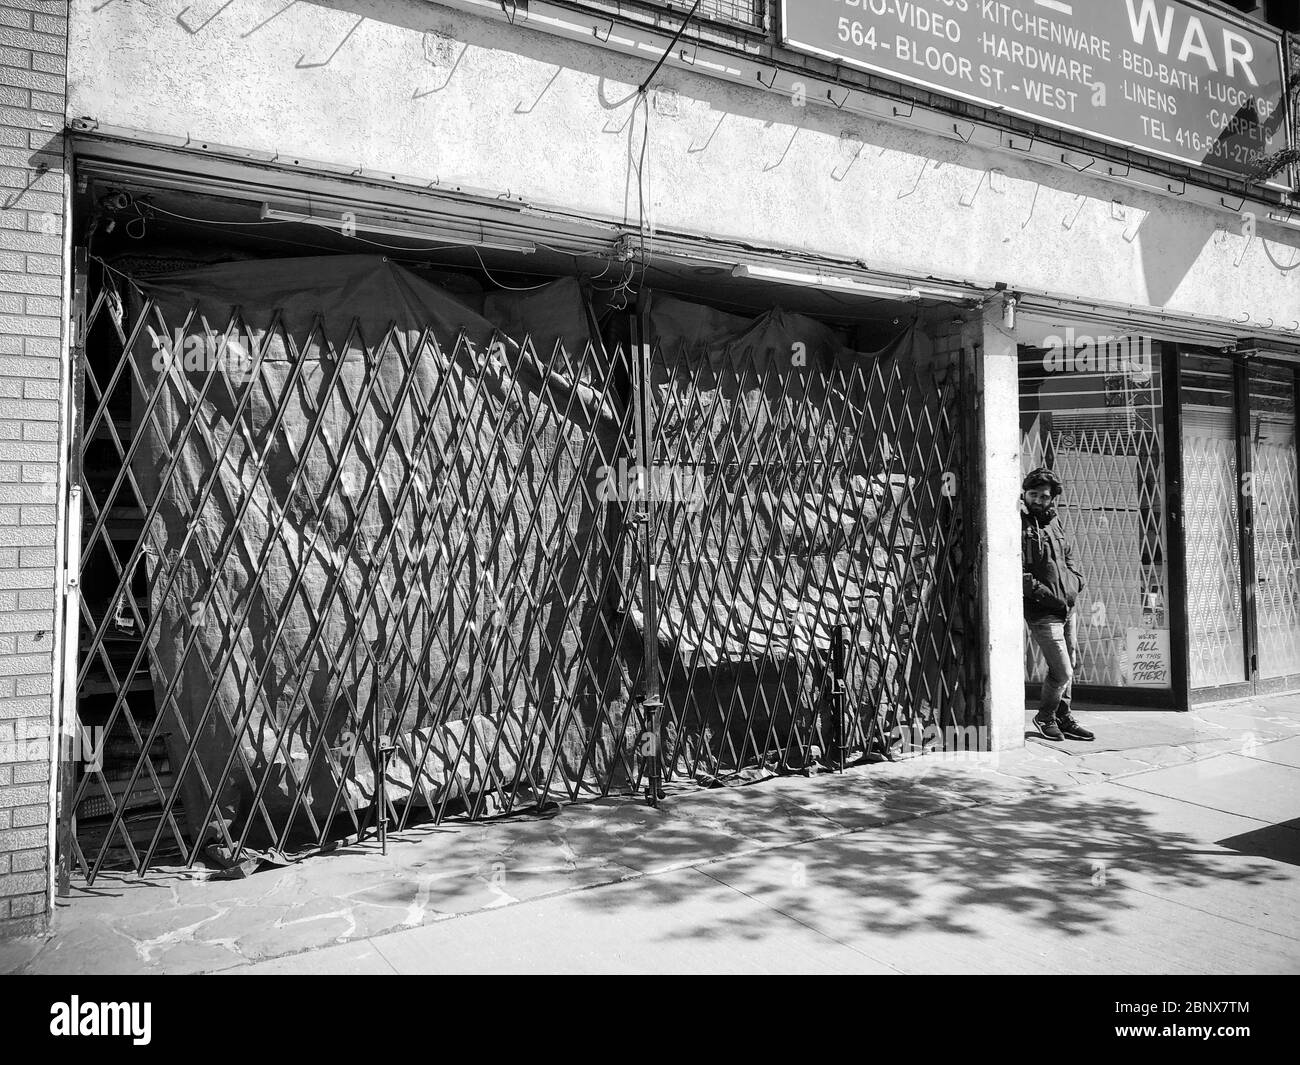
(215, 221)
(502, 284)
(575, 256)
(139, 217)
(309, 222)
(113, 269)
(626, 283)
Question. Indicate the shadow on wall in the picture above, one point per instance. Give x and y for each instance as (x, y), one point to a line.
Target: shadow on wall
(1173, 237)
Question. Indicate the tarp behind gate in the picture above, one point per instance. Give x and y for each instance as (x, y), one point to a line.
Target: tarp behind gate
(380, 486)
(799, 523)
(387, 493)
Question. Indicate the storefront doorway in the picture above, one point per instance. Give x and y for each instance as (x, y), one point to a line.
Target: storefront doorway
(1241, 521)
(1092, 409)
(1181, 498)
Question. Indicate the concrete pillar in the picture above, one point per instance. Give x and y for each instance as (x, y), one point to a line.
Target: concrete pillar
(992, 349)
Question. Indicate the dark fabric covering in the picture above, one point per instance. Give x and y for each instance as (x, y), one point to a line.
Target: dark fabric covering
(489, 462)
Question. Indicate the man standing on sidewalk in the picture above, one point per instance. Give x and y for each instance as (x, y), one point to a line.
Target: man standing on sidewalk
(1052, 586)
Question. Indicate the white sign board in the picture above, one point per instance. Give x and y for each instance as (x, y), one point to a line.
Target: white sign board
(1148, 658)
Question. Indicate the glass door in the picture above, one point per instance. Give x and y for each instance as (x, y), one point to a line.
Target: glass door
(1211, 516)
(1275, 519)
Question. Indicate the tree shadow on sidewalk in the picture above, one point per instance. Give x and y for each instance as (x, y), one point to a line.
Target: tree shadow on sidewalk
(1061, 860)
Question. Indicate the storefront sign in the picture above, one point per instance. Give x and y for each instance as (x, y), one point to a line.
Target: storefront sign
(1148, 658)
(1166, 77)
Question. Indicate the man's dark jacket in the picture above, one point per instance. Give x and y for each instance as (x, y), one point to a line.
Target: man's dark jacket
(1052, 582)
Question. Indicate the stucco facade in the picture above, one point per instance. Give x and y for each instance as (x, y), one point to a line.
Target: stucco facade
(420, 89)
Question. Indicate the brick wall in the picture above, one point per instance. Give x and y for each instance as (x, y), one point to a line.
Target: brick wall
(33, 63)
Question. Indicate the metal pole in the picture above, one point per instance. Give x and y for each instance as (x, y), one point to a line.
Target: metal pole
(381, 749)
(68, 735)
(838, 690)
(652, 704)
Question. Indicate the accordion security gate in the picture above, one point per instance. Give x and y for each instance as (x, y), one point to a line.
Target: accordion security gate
(807, 553)
(333, 581)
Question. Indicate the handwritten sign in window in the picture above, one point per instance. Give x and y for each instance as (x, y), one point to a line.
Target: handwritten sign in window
(1148, 658)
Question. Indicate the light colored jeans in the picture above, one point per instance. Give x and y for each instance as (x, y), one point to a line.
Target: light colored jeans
(1059, 644)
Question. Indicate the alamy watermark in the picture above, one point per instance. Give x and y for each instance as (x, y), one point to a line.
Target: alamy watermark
(661, 483)
(201, 352)
(957, 743)
(133, 1020)
(1105, 353)
(30, 742)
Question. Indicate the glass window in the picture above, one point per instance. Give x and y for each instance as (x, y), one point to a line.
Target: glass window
(1092, 410)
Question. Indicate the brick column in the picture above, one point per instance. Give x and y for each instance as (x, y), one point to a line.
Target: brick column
(33, 66)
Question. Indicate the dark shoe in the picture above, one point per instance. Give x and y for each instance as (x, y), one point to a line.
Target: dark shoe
(1070, 728)
(1046, 727)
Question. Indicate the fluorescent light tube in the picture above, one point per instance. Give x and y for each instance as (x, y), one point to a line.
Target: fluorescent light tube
(812, 280)
(432, 233)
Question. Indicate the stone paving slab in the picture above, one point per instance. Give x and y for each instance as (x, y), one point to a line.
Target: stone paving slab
(1101, 879)
(1254, 787)
(1284, 752)
(1097, 880)
(682, 922)
(360, 958)
(179, 921)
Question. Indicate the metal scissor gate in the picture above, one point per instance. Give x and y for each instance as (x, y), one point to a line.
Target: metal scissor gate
(342, 579)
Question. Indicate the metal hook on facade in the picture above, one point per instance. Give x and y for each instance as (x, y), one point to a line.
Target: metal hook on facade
(608, 30)
(1077, 169)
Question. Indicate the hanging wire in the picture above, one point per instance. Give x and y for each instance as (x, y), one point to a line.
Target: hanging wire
(113, 270)
(502, 284)
(142, 216)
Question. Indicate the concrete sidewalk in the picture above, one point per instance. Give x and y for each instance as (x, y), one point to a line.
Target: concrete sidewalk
(1171, 845)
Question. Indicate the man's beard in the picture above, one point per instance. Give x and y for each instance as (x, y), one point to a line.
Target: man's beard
(1042, 512)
